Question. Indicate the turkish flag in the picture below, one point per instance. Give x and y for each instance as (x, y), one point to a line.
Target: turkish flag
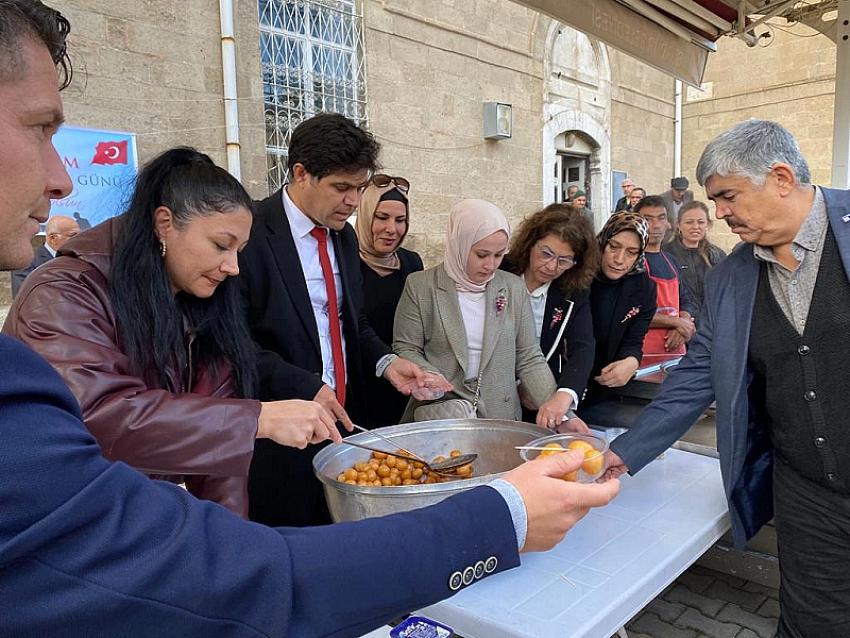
(110, 153)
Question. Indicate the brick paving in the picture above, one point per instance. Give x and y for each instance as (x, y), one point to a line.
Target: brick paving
(703, 603)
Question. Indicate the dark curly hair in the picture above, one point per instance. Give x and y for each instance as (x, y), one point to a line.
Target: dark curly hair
(570, 226)
(32, 19)
(328, 143)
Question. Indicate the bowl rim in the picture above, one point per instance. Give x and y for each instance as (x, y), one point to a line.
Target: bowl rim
(417, 427)
(543, 440)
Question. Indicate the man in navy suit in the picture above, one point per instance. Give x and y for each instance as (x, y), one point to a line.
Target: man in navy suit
(92, 548)
(774, 353)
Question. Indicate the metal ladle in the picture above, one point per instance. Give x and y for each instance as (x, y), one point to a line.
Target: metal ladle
(441, 467)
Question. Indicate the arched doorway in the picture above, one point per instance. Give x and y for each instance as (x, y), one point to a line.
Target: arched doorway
(577, 116)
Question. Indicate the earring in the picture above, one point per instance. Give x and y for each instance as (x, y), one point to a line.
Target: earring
(162, 249)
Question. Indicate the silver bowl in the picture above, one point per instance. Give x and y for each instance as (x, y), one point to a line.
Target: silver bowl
(492, 439)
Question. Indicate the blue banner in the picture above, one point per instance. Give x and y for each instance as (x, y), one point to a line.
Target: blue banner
(102, 166)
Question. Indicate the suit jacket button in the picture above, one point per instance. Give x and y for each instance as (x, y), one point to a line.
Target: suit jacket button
(455, 581)
(810, 395)
(804, 350)
(468, 575)
(831, 476)
(479, 569)
(490, 565)
(820, 441)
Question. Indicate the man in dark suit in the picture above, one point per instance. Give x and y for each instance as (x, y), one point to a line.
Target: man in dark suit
(316, 344)
(59, 230)
(93, 548)
(675, 198)
(773, 352)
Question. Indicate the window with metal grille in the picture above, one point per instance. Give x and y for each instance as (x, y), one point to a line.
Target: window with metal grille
(312, 61)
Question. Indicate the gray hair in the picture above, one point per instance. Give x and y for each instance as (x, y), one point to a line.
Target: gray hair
(750, 149)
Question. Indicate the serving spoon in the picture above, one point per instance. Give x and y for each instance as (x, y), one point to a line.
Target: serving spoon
(440, 467)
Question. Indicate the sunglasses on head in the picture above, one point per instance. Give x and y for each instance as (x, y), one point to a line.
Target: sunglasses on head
(381, 181)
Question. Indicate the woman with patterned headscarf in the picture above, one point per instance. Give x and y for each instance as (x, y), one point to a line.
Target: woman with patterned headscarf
(382, 224)
(472, 322)
(622, 301)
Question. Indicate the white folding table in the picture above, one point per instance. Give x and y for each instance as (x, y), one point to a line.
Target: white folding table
(609, 566)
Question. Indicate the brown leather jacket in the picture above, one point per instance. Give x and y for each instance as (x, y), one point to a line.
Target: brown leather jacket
(63, 311)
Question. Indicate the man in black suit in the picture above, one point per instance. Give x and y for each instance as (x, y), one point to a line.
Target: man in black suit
(316, 341)
(59, 230)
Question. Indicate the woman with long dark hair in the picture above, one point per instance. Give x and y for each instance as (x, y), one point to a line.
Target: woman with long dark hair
(695, 253)
(555, 252)
(142, 318)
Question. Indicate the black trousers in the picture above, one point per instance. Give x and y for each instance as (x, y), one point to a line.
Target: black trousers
(813, 534)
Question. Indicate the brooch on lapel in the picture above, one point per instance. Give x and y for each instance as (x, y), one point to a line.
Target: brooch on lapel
(633, 312)
(557, 315)
(846, 219)
(501, 303)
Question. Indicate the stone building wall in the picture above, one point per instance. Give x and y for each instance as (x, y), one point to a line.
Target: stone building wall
(154, 68)
(791, 81)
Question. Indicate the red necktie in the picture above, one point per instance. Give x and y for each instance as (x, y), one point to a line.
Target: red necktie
(321, 237)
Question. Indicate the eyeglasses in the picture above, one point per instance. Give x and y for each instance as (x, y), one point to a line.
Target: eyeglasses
(381, 181)
(562, 262)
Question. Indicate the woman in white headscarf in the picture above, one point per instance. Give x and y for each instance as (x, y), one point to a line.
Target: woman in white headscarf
(472, 322)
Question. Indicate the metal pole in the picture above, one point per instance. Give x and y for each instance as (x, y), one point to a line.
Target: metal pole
(841, 117)
(231, 108)
(677, 132)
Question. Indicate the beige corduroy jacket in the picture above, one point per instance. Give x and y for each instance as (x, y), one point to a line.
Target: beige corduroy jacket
(429, 331)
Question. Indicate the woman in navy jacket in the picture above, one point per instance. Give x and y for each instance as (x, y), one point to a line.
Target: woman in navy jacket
(622, 301)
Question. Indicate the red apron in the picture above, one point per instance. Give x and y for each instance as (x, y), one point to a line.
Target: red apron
(667, 302)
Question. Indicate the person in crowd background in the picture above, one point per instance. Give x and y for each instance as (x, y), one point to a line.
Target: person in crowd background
(694, 252)
(672, 327)
(383, 219)
(142, 319)
(622, 301)
(472, 322)
(571, 192)
(627, 185)
(557, 256)
(769, 354)
(635, 195)
(91, 547)
(59, 229)
(579, 202)
(303, 263)
(677, 196)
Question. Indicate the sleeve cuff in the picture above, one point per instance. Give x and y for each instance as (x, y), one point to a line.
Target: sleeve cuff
(572, 393)
(384, 363)
(516, 507)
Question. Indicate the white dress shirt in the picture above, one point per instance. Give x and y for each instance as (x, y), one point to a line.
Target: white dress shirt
(538, 307)
(538, 311)
(308, 255)
(473, 311)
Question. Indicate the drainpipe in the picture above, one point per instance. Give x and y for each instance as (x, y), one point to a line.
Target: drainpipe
(677, 132)
(231, 105)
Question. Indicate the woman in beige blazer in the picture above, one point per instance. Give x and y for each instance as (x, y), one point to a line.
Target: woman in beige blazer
(472, 322)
